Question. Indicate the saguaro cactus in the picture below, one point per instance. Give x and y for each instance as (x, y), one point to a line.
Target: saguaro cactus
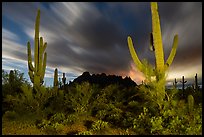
(196, 83)
(175, 83)
(183, 84)
(37, 72)
(56, 79)
(157, 47)
(64, 79)
(11, 77)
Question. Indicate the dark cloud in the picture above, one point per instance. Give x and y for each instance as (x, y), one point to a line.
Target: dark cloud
(93, 36)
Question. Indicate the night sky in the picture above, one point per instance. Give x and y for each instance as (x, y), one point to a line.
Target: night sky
(92, 36)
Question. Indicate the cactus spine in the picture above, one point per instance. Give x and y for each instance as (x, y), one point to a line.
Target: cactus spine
(190, 103)
(37, 72)
(183, 84)
(157, 47)
(56, 79)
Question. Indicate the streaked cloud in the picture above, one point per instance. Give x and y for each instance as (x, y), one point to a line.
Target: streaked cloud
(85, 36)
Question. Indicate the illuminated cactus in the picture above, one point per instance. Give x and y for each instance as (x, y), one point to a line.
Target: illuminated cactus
(56, 79)
(190, 103)
(183, 84)
(157, 47)
(37, 72)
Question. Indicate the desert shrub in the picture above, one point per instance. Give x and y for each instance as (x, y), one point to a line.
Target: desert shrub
(141, 124)
(78, 97)
(11, 115)
(99, 125)
(134, 107)
(85, 133)
(50, 127)
(88, 123)
(58, 118)
(115, 116)
(71, 119)
(127, 121)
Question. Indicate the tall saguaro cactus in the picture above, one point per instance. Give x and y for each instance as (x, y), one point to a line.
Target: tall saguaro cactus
(37, 72)
(157, 47)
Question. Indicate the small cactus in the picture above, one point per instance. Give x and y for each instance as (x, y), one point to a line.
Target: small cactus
(175, 83)
(64, 79)
(11, 77)
(183, 84)
(60, 83)
(196, 83)
(56, 79)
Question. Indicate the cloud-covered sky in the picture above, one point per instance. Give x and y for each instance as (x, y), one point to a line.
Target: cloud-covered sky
(92, 36)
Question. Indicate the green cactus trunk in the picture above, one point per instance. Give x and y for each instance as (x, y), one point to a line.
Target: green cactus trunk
(37, 72)
(56, 79)
(157, 47)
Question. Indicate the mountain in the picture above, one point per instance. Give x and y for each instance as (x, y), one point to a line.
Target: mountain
(104, 80)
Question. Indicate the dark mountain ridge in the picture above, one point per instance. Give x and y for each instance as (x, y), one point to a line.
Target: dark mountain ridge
(104, 80)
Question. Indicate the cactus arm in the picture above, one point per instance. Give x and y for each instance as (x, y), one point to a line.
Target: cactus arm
(40, 56)
(30, 65)
(157, 38)
(173, 52)
(44, 66)
(134, 54)
(44, 47)
(30, 73)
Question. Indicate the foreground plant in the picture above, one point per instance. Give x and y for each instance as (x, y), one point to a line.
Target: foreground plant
(156, 45)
